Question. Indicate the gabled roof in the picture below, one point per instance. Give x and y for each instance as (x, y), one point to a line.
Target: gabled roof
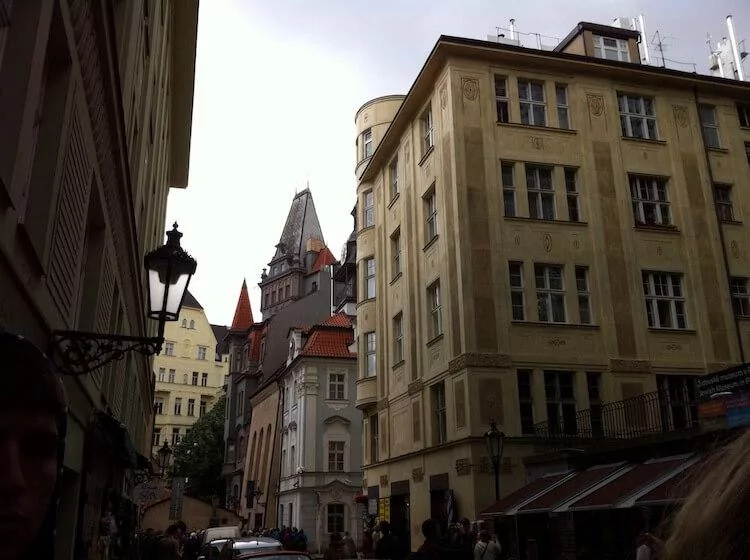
(243, 314)
(301, 224)
(330, 339)
(190, 301)
(220, 331)
(324, 258)
(337, 320)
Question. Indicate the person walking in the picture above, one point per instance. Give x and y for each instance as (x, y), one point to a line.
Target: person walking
(486, 549)
(431, 548)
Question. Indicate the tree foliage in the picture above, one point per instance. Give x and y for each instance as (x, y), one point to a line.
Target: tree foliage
(200, 455)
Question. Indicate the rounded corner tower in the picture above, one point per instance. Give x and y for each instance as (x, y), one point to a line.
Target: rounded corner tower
(372, 120)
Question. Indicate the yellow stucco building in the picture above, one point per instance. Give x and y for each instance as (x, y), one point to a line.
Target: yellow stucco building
(190, 373)
(539, 233)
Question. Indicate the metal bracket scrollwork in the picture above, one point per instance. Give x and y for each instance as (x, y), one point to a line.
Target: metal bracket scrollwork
(140, 476)
(83, 352)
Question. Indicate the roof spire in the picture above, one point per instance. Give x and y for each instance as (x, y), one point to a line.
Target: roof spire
(243, 314)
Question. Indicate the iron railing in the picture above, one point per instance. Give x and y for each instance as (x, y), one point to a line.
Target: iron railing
(647, 415)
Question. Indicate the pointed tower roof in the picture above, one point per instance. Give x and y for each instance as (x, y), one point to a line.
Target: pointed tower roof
(301, 224)
(243, 314)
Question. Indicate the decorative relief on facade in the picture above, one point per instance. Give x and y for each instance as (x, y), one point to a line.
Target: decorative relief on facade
(536, 142)
(659, 250)
(576, 243)
(491, 400)
(470, 88)
(417, 475)
(517, 238)
(472, 360)
(463, 466)
(443, 97)
(735, 248)
(547, 242)
(335, 493)
(435, 356)
(680, 115)
(633, 366)
(383, 480)
(556, 341)
(415, 387)
(366, 117)
(672, 346)
(382, 405)
(596, 104)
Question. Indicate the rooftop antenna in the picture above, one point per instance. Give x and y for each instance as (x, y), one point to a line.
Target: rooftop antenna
(644, 40)
(735, 50)
(512, 28)
(656, 39)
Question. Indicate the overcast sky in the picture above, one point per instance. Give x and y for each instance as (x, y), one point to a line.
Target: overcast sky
(278, 83)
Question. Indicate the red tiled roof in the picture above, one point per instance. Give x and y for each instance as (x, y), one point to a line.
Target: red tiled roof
(570, 488)
(627, 484)
(324, 258)
(243, 314)
(524, 493)
(337, 320)
(330, 339)
(674, 489)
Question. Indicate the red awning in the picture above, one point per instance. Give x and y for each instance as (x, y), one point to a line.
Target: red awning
(524, 494)
(673, 489)
(570, 488)
(617, 488)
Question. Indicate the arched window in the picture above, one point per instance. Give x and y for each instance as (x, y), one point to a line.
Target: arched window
(184, 323)
(192, 324)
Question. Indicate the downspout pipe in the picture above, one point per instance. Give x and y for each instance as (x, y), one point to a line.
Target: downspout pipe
(720, 226)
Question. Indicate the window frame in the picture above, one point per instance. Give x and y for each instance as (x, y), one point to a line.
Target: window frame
(177, 409)
(434, 297)
(374, 423)
(563, 108)
(509, 189)
(191, 407)
(526, 98)
(621, 47)
(739, 289)
(370, 278)
(171, 375)
(502, 101)
(396, 253)
(336, 386)
(430, 215)
(516, 289)
(336, 455)
(371, 354)
(204, 379)
(169, 348)
(428, 129)
(367, 143)
(398, 338)
(526, 400)
(743, 114)
(439, 414)
(660, 202)
(583, 291)
(642, 115)
(724, 207)
(393, 177)
(711, 135)
(368, 208)
(547, 295)
(336, 521)
(537, 194)
(159, 405)
(572, 198)
(563, 403)
(675, 302)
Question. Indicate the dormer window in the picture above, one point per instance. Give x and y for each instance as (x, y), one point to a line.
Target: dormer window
(611, 49)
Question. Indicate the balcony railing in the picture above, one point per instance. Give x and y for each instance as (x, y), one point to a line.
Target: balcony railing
(648, 415)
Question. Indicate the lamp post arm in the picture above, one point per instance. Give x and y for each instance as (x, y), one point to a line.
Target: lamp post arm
(82, 352)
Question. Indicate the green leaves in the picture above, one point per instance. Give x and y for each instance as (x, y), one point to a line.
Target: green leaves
(200, 455)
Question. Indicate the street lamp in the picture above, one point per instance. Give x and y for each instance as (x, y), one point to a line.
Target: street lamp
(495, 440)
(163, 456)
(170, 269)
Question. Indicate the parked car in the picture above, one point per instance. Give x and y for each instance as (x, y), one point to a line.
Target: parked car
(241, 547)
(275, 555)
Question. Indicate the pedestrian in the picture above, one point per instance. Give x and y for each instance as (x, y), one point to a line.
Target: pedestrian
(388, 546)
(33, 424)
(335, 550)
(349, 547)
(431, 549)
(168, 547)
(486, 549)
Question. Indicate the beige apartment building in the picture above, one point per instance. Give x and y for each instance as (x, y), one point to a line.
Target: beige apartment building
(95, 126)
(539, 232)
(190, 373)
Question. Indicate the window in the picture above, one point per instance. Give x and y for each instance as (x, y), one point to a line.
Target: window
(335, 518)
(550, 293)
(175, 436)
(561, 403)
(284, 464)
(335, 456)
(177, 406)
(204, 380)
(371, 362)
(665, 302)
(192, 324)
(533, 106)
(611, 49)
(526, 402)
(369, 278)
(428, 140)
(156, 438)
(393, 177)
(723, 201)
(594, 387)
(185, 379)
(240, 402)
(677, 402)
(440, 426)
(584, 297)
(336, 382)
(195, 378)
(740, 296)
(184, 323)
(563, 110)
(171, 376)
(571, 192)
(509, 189)
(202, 352)
(203, 407)
(396, 253)
(650, 202)
(293, 459)
(191, 407)
(515, 275)
(169, 349)
(431, 218)
(436, 310)
(637, 117)
(501, 99)
(369, 216)
(374, 439)
(398, 338)
(162, 374)
(367, 143)
(541, 192)
(743, 113)
(747, 151)
(710, 126)
(159, 405)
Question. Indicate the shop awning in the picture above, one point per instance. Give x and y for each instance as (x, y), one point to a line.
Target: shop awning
(510, 503)
(671, 489)
(571, 487)
(118, 434)
(626, 483)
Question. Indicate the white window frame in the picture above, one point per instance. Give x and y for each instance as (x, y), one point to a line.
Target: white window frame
(440, 412)
(510, 206)
(169, 349)
(570, 175)
(724, 206)
(176, 437)
(159, 405)
(204, 379)
(619, 50)
(203, 408)
(650, 200)
(584, 294)
(434, 298)
(665, 288)
(371, 354)
(431, 215)
(156, 438)
(563, 107)
(638, 112)
(336, 454)
(740, 291)
(191, 407)
(336, 386)
(367, 144)
(171, 375)
(428, 130)
(162, 374)
(515, 279)
(540, 191)
(502, 102)
(393, 177)
(333, 527)
(398, 338)
(368, 209)
(370, 277)
(710, 124)
(178, 406)
(548, 294)
(396, 253)
(202, 352)
(743, 114)
(527, 99)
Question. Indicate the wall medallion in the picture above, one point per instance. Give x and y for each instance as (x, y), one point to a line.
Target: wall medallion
(659, 250)
(470, 87)
(547, 242)
(417, 475)
(557, 342)
(517, 238)
(680, 115)
(672, 346)
(536, 142)
(576, 243)
(596, 104)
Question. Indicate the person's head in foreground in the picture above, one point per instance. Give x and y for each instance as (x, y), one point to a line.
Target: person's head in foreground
(33, 410)
(713, 522)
